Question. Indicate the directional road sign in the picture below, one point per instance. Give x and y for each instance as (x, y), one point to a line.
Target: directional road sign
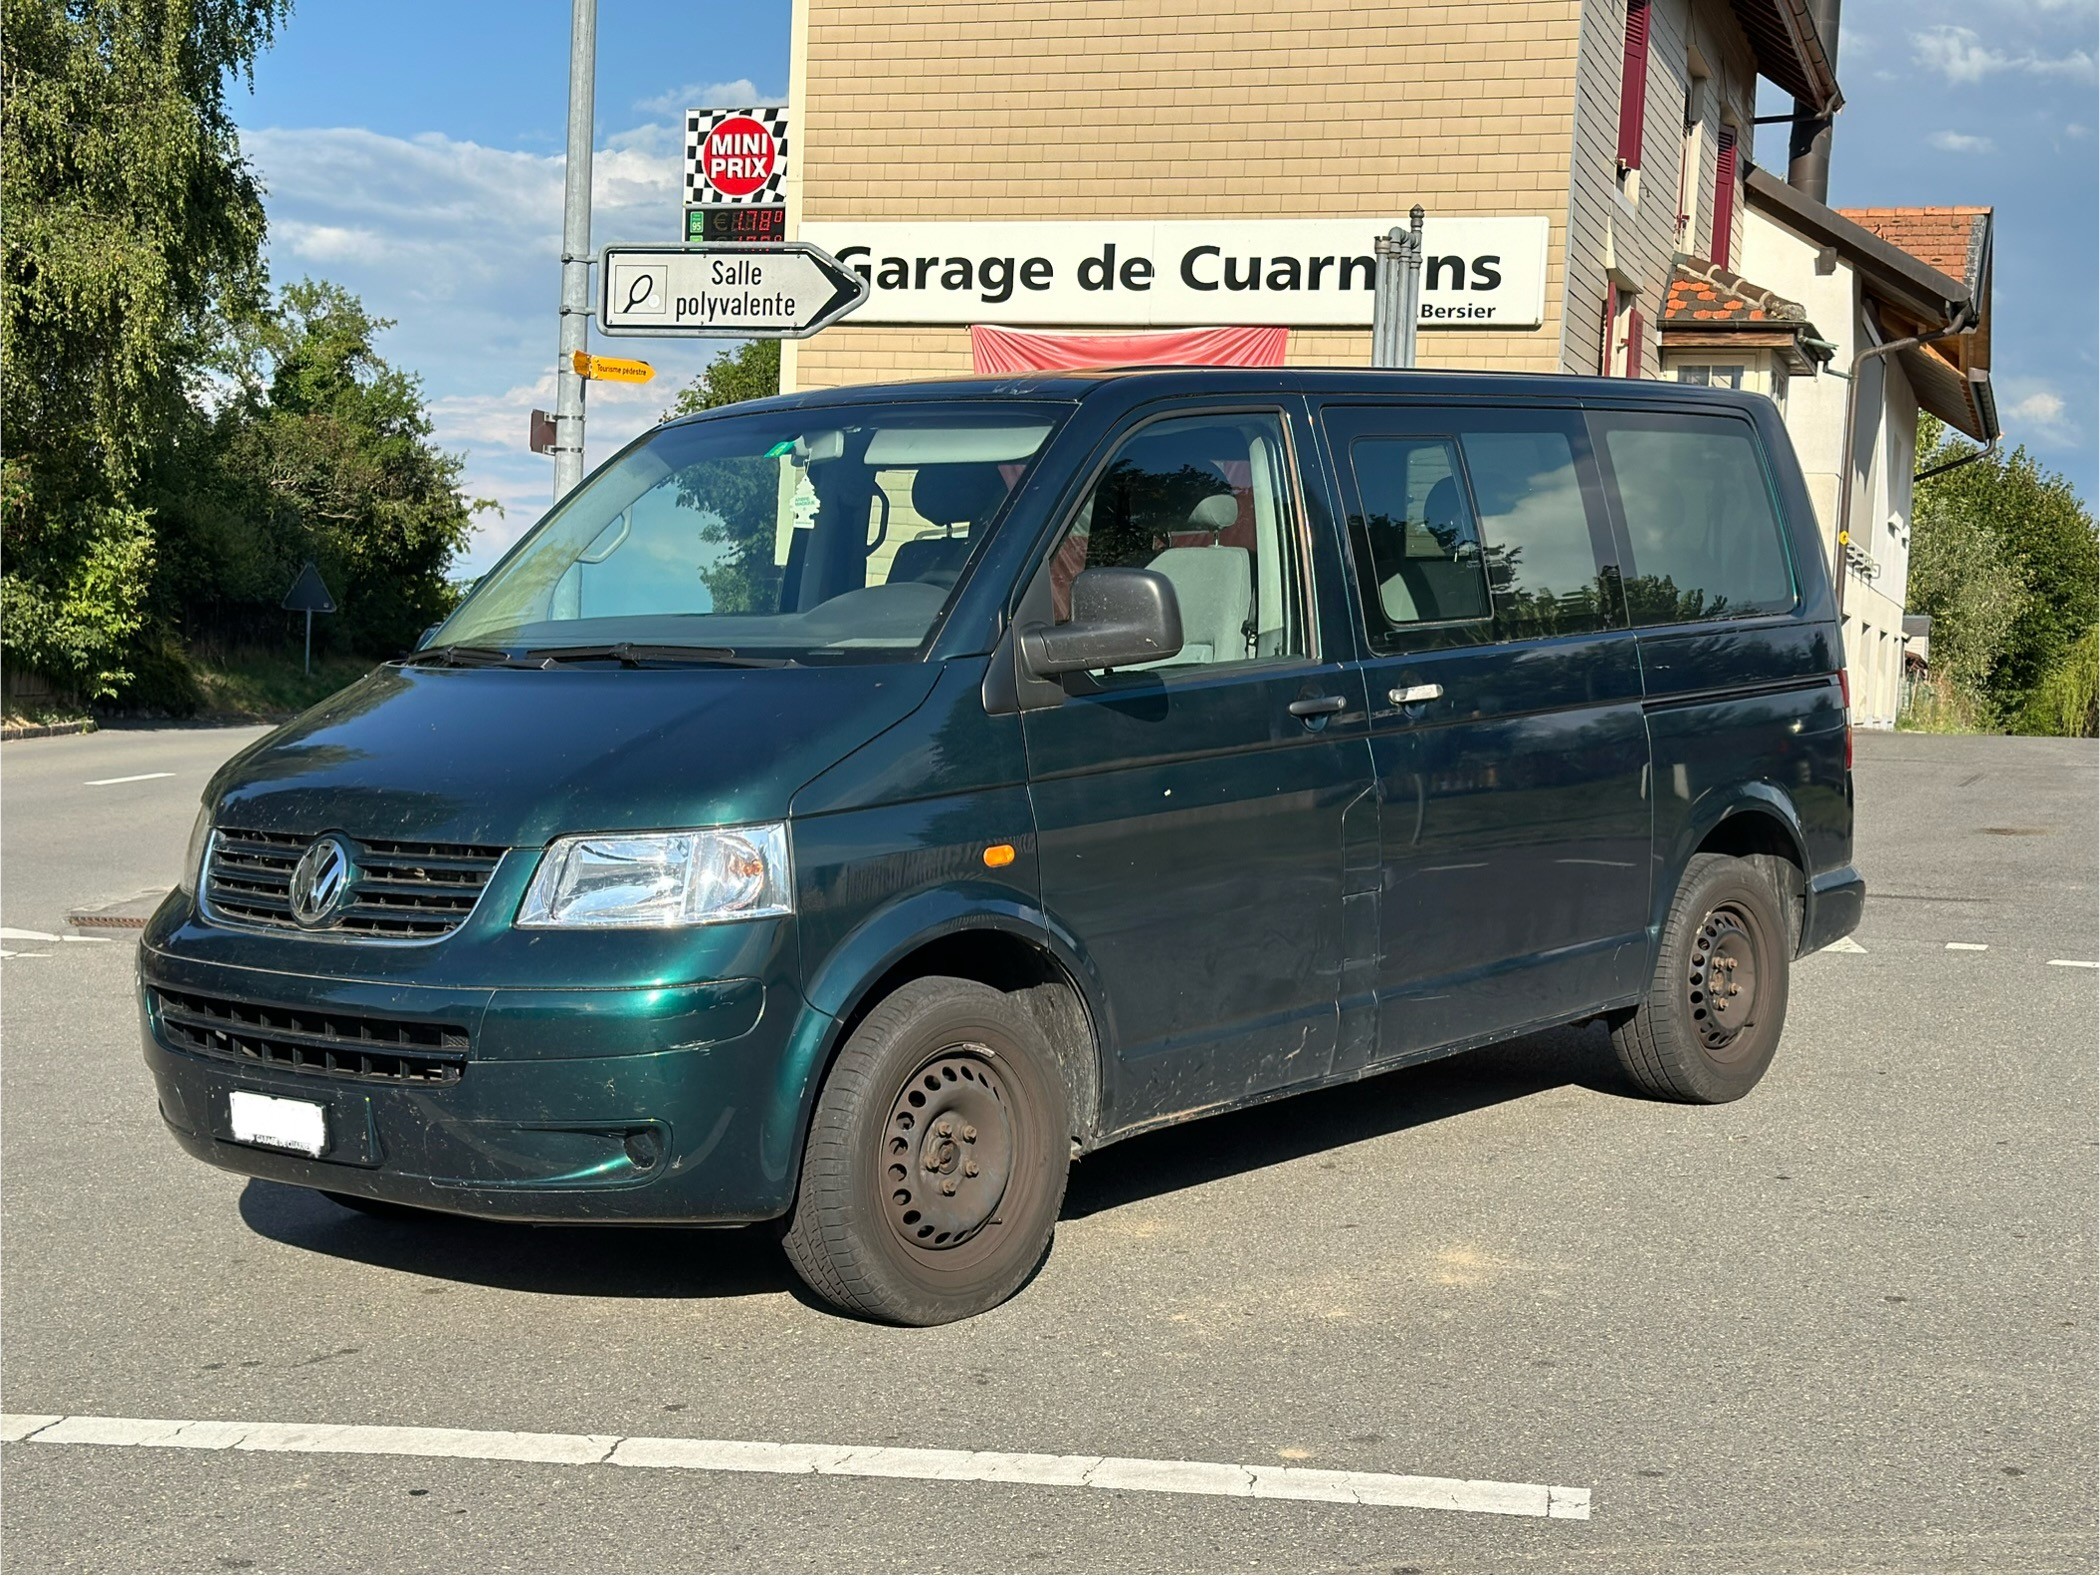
(772, 290)
(611, 369)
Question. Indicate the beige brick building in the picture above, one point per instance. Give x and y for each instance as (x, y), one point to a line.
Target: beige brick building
(1050, 112)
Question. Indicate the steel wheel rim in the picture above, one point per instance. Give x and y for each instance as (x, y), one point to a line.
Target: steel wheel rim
(947, 1150)
(1721, 986)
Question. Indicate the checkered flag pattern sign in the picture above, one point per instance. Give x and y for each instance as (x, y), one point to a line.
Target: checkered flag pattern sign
(736, 156)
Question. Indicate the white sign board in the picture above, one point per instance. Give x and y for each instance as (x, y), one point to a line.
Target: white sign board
(1310, 273)
(775, 290)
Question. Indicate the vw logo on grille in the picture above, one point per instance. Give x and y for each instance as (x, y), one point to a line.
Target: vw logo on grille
(323, 882)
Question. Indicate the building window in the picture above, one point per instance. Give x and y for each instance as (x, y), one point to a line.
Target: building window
(1779, 388)
(1633, 88)
(1623, 328)
(1724, 196)
(1709, 376)
(1689, 172)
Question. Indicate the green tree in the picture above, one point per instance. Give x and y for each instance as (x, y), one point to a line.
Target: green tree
(133, 235)
(324, 452)
(738, 500)
(2004, 559)
(751, 371)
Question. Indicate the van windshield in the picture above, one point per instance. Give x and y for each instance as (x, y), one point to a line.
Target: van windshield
(816, 534)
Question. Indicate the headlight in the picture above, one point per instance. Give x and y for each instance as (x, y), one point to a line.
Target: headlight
(659, 879)
(193, 856)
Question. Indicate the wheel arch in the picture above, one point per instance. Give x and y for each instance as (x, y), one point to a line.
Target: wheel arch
(985, 936)
(1753, 821)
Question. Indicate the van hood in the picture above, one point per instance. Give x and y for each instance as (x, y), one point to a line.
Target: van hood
(504, 756)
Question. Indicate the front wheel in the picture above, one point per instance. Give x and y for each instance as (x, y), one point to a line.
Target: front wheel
(936, 1160)
(1706, 1031)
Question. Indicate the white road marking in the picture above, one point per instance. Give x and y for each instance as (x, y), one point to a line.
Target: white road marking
(1968, 946)
(2073, 963)
(4, 954)
(1214, 1478)
(1844, 944)
(7, 934)
(137, 777)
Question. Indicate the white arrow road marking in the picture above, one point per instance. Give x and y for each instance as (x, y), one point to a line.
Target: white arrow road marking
(1844, 944)
(872, 1461)
(111, 782)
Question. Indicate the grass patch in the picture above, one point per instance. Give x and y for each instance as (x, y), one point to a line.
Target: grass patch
(264, 687)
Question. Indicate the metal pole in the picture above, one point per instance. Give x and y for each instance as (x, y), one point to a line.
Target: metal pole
(309, 640)
(1385, 300)
(575, 249)
(1410, 286)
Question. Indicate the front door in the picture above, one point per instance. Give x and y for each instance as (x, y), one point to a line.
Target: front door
(1189, 813)
(1506, 721)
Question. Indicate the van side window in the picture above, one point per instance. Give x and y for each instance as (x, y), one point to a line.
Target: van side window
(1705, 538)
(1206, 501)
(1539, 537)
(1416, 530)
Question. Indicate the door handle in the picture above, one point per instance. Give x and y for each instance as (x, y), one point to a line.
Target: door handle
(1319, 705)
(1414, 694)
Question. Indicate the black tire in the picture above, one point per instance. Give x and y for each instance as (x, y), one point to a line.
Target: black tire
(378, 1208)
(936, 1160)
(1717, 1002)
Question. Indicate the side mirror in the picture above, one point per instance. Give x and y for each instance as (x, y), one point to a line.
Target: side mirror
(427, 636)
(1120, 617)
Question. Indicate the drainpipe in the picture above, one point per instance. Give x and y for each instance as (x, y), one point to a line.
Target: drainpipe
(1960, 325)
(1986, 452)
(1808, 145)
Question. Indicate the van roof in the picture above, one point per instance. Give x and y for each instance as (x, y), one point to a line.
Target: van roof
(1078, 385)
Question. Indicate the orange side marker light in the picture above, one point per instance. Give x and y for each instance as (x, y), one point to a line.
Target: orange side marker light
(998, 856)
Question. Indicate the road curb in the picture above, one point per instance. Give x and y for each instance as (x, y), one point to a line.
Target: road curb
(44, 730)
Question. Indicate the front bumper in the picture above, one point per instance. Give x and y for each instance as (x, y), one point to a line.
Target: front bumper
(657, 1104)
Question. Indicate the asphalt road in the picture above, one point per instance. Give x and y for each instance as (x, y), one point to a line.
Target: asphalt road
(1846, 1324)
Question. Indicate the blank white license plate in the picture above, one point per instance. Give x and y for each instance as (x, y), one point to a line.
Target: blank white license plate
(278, 1124)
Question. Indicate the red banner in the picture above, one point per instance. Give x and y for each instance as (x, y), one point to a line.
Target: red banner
(1028, 350)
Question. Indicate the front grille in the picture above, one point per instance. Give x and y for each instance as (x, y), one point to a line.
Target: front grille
(312, 1040)
(403, 891)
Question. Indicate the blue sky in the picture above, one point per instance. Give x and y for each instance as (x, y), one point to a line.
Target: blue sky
(413, 154)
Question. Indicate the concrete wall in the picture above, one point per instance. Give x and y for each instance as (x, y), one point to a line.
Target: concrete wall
(993, 109)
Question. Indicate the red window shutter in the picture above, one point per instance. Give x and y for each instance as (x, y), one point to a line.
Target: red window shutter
(1633, 85)
(1724, 197)
(1611, 324)
(1633, 342)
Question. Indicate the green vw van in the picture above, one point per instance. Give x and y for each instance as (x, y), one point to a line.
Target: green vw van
(847, 810)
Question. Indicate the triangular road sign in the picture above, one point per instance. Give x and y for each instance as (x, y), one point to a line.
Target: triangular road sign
(309, 593)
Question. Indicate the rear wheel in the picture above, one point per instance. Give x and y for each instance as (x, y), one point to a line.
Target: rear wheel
(1717, 1001)
(936, 1160)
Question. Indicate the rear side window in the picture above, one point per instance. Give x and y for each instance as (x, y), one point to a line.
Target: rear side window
(1418, 531)
(1541, 534)
(1706, 541)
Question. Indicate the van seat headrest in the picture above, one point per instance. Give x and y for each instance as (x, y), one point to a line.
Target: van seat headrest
(950, 495)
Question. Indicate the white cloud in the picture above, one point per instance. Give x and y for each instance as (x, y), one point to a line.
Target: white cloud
(2041, 415)
(460, 245)
(740, 94)
(1960, 55)
(1961, 142)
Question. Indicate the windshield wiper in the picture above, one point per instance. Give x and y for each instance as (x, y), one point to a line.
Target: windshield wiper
(465, 657)
(633, 654)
